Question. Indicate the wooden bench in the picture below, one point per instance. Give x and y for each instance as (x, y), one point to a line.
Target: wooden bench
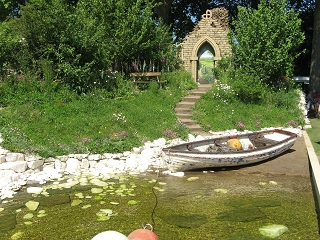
(139, 76)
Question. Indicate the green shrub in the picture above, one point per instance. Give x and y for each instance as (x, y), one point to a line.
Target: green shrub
(179, 79)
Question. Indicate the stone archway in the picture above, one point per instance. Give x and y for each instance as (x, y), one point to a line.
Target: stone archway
(197, 51)
(212, 30)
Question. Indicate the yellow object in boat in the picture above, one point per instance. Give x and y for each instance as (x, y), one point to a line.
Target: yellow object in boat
(234, 143)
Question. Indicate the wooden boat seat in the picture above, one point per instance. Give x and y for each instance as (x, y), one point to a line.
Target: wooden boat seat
(261, 141)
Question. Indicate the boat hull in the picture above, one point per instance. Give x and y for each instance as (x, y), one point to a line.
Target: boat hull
(180, 161)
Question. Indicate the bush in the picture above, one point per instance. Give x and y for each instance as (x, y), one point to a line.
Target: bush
(179, 79)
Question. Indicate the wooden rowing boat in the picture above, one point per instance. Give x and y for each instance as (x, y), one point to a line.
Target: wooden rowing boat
(226, 151)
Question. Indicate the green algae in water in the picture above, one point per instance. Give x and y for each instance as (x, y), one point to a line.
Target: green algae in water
(179, 198)
(186, 220)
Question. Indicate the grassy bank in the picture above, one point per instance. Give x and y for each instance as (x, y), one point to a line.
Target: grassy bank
(52, 121)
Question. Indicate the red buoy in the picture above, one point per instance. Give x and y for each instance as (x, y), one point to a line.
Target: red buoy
(142, 234)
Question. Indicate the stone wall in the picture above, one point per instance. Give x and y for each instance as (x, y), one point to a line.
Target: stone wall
(212, 29)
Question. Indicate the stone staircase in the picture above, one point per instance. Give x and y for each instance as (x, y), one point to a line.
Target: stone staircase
(184, 109)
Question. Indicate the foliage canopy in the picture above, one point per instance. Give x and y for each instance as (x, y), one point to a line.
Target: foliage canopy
(265, 42)
(82, 44)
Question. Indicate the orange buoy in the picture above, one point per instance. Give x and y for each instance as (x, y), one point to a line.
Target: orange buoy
(142, 234)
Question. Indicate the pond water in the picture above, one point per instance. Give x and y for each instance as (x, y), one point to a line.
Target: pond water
(211, 205)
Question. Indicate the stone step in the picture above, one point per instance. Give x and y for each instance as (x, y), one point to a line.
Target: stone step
(183, 111)
(189, 122)
(191, 98)
(195, 129)
(184, 115)
(185, 104)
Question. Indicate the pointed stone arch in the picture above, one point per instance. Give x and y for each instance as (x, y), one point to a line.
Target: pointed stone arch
(195, 54)
(213, 30)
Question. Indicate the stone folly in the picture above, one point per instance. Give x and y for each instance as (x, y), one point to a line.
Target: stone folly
(211, 33)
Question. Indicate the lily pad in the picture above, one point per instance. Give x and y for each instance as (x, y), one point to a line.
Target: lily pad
(114, 203)
(17, 235)
(86, 206)
(40, 215)
(132, 202)
(28, 223)
(76, 202)
(96, 190)
(28, 216)
(98, 198)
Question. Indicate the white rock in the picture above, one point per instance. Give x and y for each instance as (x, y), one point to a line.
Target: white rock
(191, 138)
(159, 142)
(6, 177)
(13, 157)
(85, 164)
(199, 138)
(37, 164)
(147, 153)
(92, 164)
(73, 165)
(131, 162)
(63, 158)
(94, 157)
(18, 166)
(30, 157)
(2, 158)
(3, 151)
(60, 166)
(35, 190)
(107, 155)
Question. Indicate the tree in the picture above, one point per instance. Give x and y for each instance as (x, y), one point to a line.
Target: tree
(315, 55)
(265, 41)
(83, 41)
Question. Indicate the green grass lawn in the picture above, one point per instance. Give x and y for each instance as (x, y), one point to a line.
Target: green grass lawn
(57, 122)
(314, 135)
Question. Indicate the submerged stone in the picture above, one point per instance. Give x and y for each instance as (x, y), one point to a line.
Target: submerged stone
(273, 230)
(241, 215)
(186, 220)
